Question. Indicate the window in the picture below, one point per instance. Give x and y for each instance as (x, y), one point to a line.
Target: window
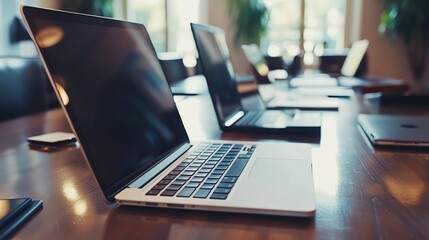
(307, 26)
(296, 26)
(153, 15)
(168, 24)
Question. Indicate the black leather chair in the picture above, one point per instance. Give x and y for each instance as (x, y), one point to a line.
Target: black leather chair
(173, 67)
(24, 87)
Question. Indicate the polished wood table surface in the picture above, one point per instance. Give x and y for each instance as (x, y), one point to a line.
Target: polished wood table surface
(362, 192)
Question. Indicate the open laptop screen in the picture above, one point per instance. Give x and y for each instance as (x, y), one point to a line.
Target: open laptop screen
(216, 63)
(354, 58)
(113, 89)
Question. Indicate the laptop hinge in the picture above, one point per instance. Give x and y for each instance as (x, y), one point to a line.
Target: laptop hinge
(164, 163)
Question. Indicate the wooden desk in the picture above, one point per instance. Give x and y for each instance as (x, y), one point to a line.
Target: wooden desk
(362, 192)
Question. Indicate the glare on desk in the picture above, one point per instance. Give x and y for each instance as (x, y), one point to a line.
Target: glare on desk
(70, 192)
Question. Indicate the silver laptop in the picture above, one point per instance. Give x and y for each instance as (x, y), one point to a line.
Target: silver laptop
(110, 83)
(393, 130)
(289, 99)
(347, 78)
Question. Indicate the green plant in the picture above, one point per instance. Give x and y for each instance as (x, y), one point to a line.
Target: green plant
(251, 20)
(94, 7)
(408, 20)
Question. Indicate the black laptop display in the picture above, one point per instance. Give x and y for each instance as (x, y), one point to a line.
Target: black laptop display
(123, 105)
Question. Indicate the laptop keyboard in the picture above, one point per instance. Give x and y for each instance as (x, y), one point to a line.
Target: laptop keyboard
(209, 172)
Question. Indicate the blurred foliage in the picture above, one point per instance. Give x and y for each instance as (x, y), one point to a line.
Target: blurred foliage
(250, 18)
(408, 20)
(93, 7)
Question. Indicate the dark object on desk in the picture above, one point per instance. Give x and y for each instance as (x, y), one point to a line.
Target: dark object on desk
(24, 87)
(392, 130)
(398, 98)
(352, 62)
(14, 213)
(331, 63)
(52, 140)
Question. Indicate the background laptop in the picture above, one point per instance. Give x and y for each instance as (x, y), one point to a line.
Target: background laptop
(217, 67)
(290, 99)
(390, 130)
(118, 102)
(348, 71)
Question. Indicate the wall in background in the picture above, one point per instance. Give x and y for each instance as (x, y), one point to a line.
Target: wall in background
(8, 11)
(218, 16)
(386, 58)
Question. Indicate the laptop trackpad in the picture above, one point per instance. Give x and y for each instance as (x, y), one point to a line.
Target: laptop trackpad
(274, 170)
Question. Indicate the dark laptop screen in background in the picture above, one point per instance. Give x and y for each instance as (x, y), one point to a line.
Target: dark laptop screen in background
(214, 56)
(113, 89)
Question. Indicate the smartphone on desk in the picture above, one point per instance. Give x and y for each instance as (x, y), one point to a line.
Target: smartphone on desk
(52, 140)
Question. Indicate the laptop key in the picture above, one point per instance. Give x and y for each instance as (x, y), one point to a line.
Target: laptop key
(188, 173)
(193, 184)
(168, 193)
(214, 176)
(178, 182)
(220, 196)
(179, 168)
(229, 180)
(169, 177)
(197, 179)
(186, 192)
(222, 190)
(175, 172)
(164, 182)
(207, 186)
(174, 187)
(183, 177)
(211, 181)
(218, 172)
(202, 193)
(225, 185)
(153, 192)
(159, 187)
(236, 168)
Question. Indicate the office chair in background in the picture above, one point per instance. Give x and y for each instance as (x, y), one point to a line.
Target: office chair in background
(24, 87)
